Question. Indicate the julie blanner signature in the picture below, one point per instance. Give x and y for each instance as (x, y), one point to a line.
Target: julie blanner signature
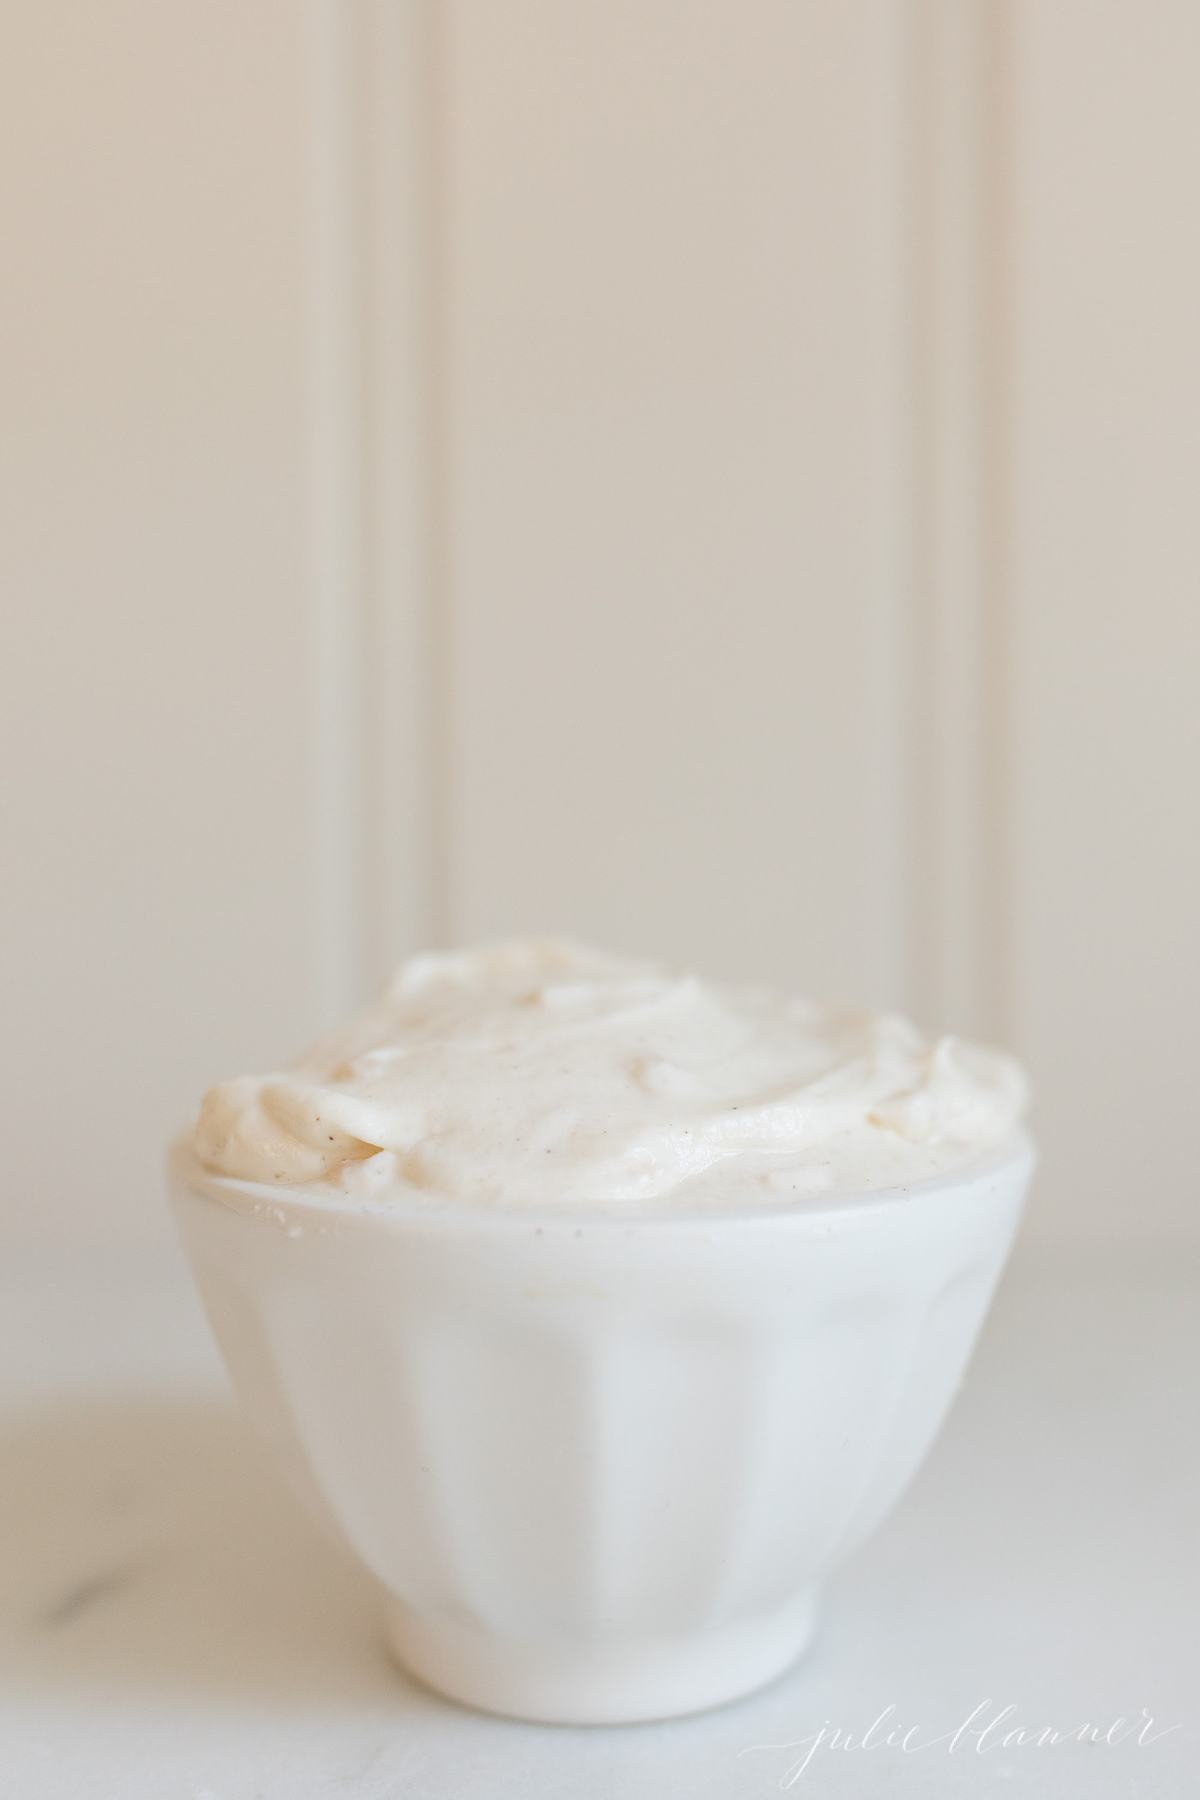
(988, 1727)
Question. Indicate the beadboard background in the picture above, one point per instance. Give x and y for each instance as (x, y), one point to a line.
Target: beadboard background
(714, 476)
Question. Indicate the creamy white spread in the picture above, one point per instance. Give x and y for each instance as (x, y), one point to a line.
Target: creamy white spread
(546, 1072)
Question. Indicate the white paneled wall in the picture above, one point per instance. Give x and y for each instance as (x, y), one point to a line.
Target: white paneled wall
(1102, 591)
(675, 436)
(712, 475)
(158, 684)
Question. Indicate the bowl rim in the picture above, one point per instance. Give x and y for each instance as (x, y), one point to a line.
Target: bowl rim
(1016, 1157)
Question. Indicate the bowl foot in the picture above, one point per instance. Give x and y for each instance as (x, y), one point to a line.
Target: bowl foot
(599, 1683)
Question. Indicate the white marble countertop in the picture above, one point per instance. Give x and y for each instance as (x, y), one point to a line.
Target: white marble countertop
(171, 1628)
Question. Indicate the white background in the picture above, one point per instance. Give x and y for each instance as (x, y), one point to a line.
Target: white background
(715, 476)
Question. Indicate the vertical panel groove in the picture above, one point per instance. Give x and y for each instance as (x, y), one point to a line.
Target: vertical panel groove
(958, 517)
(892, 688)
(402, 331)
(373, 384)
(999, 951)
(441, 920)
(335, 617)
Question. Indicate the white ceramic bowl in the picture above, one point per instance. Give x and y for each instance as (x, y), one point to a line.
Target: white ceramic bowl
(599, 1462)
